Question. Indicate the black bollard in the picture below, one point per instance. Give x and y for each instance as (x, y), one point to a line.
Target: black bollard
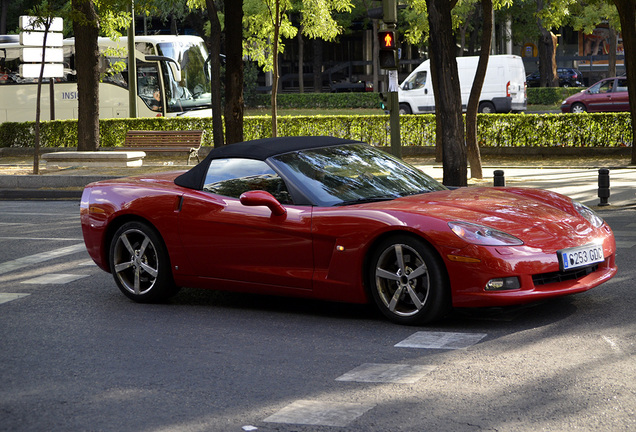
(603, 186)
(499, 179)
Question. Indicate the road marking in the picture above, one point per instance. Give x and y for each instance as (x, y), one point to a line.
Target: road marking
(441, 340)
(318, 413)
(7, 297)
(65, 216)
(620, 233)
(43, 238)
(612, 344)
(625, 244)
(54, 279)
(26, 261)
(386, 373)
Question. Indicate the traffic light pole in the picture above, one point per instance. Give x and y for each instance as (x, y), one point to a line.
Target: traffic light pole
(389, 60)
(394, 124)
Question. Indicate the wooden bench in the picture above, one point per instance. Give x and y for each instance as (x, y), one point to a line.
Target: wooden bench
(165, 141)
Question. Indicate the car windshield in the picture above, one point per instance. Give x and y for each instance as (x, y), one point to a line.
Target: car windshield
(352, 174)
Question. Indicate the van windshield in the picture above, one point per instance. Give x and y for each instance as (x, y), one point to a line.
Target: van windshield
(415, 81)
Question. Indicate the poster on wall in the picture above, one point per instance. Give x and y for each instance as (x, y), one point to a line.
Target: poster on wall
(598, 44)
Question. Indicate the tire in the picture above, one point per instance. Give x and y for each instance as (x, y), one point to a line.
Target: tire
(408, 282)
(578, 108)
(140, 264)
(486, 108)
(405, 109)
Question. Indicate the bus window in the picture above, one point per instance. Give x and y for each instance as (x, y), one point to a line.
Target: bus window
(111, 70)
(149, 86)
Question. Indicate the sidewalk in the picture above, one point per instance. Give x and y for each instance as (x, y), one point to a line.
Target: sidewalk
(577, 178)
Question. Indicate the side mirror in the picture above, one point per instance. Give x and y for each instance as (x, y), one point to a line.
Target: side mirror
(262, 198)
(174, 66)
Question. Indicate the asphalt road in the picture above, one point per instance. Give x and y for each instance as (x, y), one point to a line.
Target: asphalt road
(76, 355)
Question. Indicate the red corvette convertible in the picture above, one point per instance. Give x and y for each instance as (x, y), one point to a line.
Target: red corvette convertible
(340, 220)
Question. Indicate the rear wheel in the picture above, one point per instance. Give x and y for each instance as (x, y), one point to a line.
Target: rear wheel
(140, 264)
(486, 108)
(407, 281)
(578, 108)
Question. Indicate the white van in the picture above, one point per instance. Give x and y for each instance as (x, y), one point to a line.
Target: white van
(504, 88)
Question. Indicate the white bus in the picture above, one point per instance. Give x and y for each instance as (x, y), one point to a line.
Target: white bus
(173, 79)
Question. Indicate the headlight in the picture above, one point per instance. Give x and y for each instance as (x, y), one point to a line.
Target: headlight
(589, 214)
(483, 235)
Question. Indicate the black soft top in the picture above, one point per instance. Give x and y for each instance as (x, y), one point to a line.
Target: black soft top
(257, 149)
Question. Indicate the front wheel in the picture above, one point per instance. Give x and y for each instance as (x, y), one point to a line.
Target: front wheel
(405, 109)
(578, 108)
(140, 264)
(407, 281)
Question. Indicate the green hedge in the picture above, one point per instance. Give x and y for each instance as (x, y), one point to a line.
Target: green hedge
(494, 130)
(536, 96)
(549, 95)
(318, 100)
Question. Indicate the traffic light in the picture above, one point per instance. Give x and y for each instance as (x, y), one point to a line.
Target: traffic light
(387, 40)
(385, 102)
(388, 49)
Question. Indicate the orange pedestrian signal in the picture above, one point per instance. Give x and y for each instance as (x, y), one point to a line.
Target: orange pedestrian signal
(387, 39)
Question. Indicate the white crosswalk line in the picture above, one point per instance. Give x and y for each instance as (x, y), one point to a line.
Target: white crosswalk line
(54, 278)
(7, 297)
(26, 261)
(441, 340)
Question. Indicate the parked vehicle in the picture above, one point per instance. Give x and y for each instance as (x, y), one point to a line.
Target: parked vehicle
(504, 88)
(339, 220)
(173, 79)
(609, 94)
(568, 77)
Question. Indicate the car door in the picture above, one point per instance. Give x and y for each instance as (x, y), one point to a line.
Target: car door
(620, 96)
(599, 98)
(226, 240)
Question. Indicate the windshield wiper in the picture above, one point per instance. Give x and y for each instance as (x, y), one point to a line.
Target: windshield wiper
(369, 200)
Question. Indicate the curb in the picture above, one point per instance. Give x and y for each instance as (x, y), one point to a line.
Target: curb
(40, 194)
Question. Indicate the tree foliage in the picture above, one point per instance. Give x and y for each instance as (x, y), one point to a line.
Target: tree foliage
(268, 23)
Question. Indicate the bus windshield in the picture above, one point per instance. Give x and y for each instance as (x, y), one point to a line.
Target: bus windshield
(193, 91)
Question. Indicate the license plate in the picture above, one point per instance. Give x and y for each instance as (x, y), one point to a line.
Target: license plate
(580, 256)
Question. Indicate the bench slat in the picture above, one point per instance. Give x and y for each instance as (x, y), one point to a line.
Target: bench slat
(164, 141)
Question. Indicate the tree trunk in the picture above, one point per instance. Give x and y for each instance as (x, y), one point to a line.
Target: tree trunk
(38, 104)
(547, 59)
(612, 52)
(627, 14)
(473, 102)
(215, 79)
(301, 56)
(448, 101)
(234, 72)
(547, 54)
(4, 7)
(317, 65)
(86, 30)
(275, 76)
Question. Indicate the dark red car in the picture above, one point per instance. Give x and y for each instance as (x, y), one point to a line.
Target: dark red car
(606, 95)
(340, 220)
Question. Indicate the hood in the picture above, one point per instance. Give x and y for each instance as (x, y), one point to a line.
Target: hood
(532, 215)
